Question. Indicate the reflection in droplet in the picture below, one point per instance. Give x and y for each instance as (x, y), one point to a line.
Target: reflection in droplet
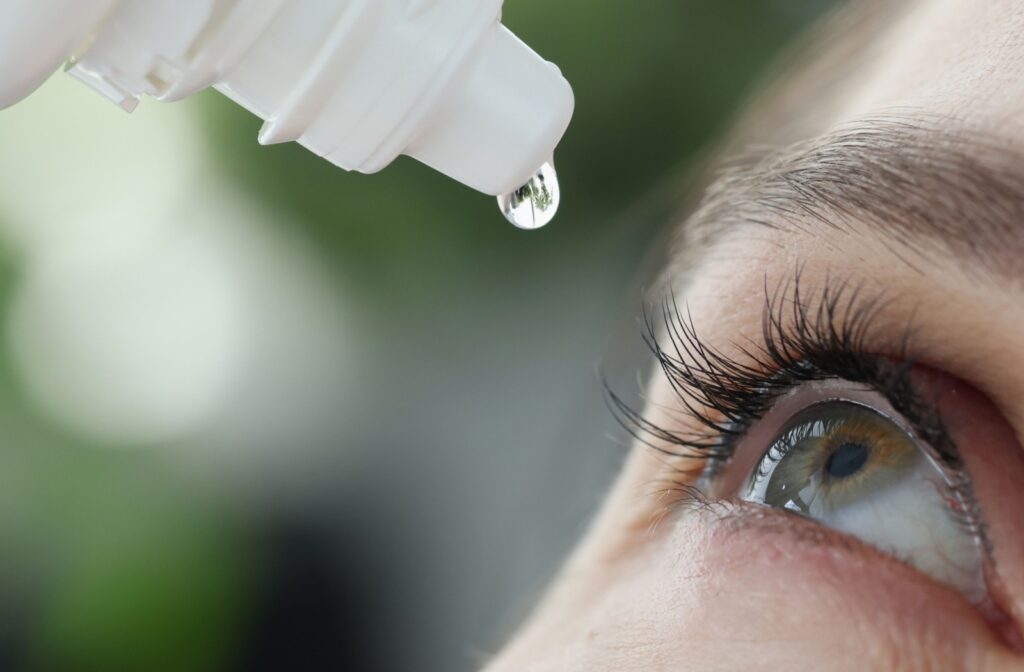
(534, 204)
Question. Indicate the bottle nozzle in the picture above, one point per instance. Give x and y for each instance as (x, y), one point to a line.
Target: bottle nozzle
(502, 118)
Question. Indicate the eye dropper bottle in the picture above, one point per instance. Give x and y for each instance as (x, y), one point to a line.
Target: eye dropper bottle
(357, 82)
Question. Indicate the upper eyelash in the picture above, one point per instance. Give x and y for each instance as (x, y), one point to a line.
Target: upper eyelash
(802, 341)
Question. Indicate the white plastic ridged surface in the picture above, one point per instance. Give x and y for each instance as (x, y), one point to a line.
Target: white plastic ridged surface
(356, 81)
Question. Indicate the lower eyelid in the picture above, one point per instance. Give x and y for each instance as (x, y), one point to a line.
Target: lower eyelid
(749, 561)
(737, 517)
(767, 540)
(771, 536)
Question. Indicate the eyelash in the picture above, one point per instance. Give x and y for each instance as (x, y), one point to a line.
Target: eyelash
(802, 341)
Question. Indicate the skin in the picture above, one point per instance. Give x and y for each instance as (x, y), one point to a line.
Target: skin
(659, 587)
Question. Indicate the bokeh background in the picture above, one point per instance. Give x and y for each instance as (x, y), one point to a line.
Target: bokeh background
(261, 414)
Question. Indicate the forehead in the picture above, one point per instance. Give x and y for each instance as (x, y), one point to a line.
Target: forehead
(951, 57)
(964, 59)
(928, 100)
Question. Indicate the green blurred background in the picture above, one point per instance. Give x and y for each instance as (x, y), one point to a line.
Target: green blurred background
(262, 414)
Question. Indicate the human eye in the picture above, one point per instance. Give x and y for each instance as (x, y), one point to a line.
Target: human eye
(848, 461)
(823, 421)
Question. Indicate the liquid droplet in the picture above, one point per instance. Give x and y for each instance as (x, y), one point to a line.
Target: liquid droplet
(534, 204)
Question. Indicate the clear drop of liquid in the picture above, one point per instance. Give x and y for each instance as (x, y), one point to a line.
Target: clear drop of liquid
(534, 204)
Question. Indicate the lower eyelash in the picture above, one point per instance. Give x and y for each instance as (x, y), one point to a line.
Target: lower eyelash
(806, 336)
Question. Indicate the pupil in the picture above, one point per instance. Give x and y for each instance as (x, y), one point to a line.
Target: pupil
(847, 460)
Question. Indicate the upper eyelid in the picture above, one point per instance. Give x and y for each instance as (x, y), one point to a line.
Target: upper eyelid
(704, 378)
(828, 328)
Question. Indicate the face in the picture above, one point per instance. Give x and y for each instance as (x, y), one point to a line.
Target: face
(829, 472)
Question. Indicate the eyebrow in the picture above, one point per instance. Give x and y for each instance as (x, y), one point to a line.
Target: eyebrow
(928, 185)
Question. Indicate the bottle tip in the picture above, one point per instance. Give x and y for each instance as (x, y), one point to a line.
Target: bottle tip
(502, 120)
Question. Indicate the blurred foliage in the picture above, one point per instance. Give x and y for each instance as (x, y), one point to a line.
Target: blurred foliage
(146, 581)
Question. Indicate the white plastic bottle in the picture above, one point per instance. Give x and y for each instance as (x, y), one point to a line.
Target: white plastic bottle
(355, 81)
